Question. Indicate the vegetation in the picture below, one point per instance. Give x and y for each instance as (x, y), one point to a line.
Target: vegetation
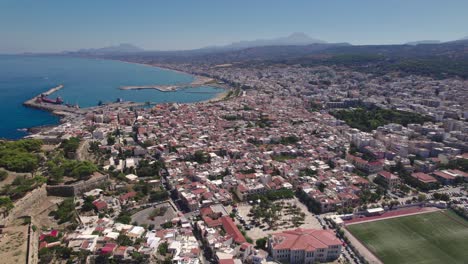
(6, 203)
(408, 179)
(70, 145)
(282, 157)
(307, 172)
(59, 167)
(261, 243)
(460, 164)
(163, 248)
(369, 119)
(200, 157)
(22, 185)
(149, 169)
(124, 240)
(425, 238)
(47, 255)
(65, 211)
(289, 140)
(21, 155)
(124, 218)
(88, 204)
(160, 211)
(441, 196)
(311, 204)
(273, 195)
(167, 225)
(158, 195)
(3, 175)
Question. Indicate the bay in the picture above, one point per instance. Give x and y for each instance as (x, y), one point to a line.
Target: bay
(86, 82)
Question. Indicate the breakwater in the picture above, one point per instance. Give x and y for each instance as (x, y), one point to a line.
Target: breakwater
(58, 109)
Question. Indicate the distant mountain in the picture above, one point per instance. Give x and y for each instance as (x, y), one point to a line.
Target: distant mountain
(423, 42)
(118, 49)
(295, 39)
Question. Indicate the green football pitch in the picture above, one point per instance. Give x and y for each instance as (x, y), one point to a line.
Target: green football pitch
(438, 237)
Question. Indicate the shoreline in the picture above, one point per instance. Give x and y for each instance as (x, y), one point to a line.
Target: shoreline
(198, 81)
(67, 113)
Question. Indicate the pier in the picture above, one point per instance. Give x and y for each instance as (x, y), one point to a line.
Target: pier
(57, 109)
(66, 110)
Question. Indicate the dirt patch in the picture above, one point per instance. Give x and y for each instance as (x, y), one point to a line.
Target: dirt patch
(13, 243)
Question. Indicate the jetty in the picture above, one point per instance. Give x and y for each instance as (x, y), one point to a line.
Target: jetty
(69, 110)
(58, 109)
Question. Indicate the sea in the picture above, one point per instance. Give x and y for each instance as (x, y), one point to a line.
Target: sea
(86, 83)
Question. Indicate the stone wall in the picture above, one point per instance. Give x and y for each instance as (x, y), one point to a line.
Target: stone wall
(77, 188)
(24, 205)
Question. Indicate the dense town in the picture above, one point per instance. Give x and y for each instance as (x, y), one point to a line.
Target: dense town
(270, 173)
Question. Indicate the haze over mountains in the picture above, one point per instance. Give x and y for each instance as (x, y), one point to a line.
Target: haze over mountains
(296, 39)
(121, 48)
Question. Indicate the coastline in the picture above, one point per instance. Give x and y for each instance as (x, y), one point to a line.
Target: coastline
(198, 81)
(68, 113)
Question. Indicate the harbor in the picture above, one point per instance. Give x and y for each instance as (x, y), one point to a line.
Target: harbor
(56, 106)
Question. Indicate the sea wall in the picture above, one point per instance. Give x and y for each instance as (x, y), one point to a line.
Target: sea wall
(77, 188)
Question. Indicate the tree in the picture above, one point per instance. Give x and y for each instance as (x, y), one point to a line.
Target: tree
(88, 204)
(422, 197)
(124, 240)
(442, 196)
(124, 218)
(6, 203)
(163, 248)
(3, 175)
(261, 243)
(201, 157)
(110, 140)
(70, 145)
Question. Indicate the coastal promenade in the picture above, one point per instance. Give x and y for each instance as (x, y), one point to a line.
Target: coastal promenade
(198, 81)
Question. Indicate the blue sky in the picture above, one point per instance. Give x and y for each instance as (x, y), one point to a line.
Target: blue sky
(44, 26)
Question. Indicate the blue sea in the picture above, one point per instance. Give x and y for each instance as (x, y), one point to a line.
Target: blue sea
(86, 82)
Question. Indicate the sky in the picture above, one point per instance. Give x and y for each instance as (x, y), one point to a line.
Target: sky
(57, 25)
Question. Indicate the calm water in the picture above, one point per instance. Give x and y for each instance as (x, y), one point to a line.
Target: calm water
(86, 82)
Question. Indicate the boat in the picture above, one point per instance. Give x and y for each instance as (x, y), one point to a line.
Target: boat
(43, 98)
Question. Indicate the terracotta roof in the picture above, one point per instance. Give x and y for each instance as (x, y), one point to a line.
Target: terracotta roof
(127, 196)
(444, 175)
(230, 227)
(423, 177)
(304, 239)
(387, 175)
(226, 261)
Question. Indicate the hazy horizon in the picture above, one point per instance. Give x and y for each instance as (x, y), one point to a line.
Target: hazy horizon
(54, 26)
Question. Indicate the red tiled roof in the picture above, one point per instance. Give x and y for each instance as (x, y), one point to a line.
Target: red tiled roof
(226, 261)
(100, 204)
(108, 248)
(423, 177)
(127, 196)
(230, 227)
(459, 172)
(387, 175)
(444, 175)
(305, 239)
